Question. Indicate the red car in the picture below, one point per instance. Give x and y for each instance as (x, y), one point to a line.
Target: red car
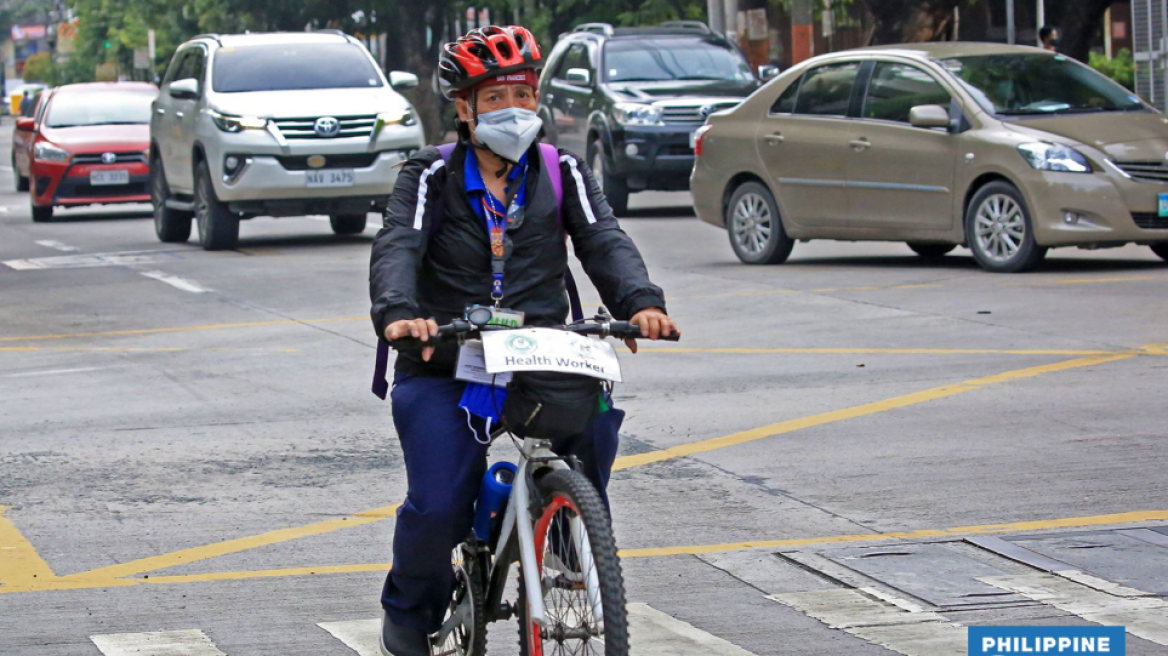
(91, 146)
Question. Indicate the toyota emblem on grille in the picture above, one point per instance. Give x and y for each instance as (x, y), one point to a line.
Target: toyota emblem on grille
(706, 111)
(108, 158)
(327, 126)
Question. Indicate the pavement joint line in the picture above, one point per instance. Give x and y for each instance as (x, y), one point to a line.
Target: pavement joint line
(116, 574)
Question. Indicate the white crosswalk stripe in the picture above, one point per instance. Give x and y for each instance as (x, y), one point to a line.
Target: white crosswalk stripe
(652, 633)
(359, 635)
(1143, 617)
(900, 627)
(190, 642)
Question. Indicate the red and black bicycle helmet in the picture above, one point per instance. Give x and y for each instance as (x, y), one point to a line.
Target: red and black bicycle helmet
(484, 53)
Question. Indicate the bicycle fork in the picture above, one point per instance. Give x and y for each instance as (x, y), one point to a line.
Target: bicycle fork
(518, 518)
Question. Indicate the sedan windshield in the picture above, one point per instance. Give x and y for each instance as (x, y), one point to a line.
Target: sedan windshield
(69, 110)
(662, 60)
(293, 66)
(1031, 84)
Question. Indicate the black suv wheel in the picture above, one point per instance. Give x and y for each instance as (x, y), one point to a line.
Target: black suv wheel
(614, 188)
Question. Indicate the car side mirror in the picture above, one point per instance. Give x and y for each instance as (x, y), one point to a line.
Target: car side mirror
(929, 116)
(25, 123)
(767, 72)
(402, 81)
(580, 77)
(187, 89)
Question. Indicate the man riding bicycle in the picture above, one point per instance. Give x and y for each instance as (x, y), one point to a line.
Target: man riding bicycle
(482, 225)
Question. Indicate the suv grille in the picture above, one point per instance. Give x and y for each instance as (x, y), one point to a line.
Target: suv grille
(122, 158)
(303, 128)
(692, 114)
(1145, 171)
(1150, 220)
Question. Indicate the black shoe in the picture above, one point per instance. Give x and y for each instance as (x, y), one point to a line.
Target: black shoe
(398, 640)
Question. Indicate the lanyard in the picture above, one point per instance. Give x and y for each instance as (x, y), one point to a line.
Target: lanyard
(498, 218)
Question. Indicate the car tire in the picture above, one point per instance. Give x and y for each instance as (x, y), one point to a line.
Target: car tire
(21, 181)
(999, 231)
(40, 213)
(348, 224)
(755, 226)
(931, 251)
(171, 225)
(615, 189)
(1161, 250)
(218, 227)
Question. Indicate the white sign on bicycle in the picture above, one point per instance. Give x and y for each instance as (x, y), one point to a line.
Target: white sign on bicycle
(548, 349)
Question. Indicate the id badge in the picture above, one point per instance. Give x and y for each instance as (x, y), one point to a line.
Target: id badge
(472, 366)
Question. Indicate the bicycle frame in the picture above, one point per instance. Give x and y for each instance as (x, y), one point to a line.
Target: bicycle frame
(518, 532)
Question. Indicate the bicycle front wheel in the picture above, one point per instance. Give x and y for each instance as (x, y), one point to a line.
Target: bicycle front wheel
(583, 589)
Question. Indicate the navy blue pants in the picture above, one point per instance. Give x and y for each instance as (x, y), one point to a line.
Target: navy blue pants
(445, 468)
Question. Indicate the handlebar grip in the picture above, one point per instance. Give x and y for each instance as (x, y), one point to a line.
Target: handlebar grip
(624, 330)
(445, 333)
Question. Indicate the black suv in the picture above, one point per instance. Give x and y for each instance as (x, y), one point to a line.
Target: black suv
(629, 99)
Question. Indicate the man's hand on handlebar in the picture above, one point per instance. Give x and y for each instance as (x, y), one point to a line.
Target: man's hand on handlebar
(420, 329)
(654, 324)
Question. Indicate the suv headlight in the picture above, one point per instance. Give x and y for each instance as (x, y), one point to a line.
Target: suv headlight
(50, 153)
(233, 124)
(1054, 157)
(404, 116)
(637, 114)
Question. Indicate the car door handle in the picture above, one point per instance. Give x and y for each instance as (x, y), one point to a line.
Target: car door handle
(179, 114)
(774, 139)
(160, 111)
(860, 144)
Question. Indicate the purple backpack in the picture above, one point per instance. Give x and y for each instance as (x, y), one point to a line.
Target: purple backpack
(551, 163)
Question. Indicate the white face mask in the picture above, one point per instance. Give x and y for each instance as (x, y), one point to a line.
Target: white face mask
(508, 132)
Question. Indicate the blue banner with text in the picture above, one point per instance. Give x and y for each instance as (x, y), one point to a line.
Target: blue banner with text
(1046, 640)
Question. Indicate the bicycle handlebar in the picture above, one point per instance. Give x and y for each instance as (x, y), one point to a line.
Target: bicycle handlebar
(461, 328)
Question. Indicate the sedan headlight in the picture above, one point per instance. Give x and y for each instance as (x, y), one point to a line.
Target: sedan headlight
(233, 124)
(1054, 157)
(637, 114)
(50, 153)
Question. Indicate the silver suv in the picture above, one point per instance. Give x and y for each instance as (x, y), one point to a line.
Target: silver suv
(281, 124)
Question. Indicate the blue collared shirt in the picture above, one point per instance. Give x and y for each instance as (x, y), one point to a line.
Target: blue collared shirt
(476, 189)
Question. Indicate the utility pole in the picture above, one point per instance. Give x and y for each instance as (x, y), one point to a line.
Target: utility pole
(1010, 22)
(717, 15)
(1041, 14)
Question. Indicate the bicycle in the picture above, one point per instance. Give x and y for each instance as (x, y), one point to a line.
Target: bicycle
(571, 597)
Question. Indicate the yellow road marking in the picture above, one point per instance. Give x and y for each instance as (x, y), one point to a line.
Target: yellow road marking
(1125, 518)
(178, 329)
(132, 349)
(916, 398)
(116, 574)
(883, 351)
(269, 573)
(143, 565)
(1095, 281)
(20, 564)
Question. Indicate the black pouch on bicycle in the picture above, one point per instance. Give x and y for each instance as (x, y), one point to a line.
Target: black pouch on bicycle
(550, 405)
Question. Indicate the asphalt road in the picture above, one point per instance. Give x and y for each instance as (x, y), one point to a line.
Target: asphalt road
(851, 453)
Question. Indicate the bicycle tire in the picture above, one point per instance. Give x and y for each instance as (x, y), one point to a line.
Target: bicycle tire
(566, 494)
(467, 582)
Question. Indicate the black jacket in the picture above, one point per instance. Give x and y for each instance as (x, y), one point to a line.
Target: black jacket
(415, 274)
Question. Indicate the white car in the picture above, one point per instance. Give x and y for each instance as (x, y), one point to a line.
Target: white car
(282, 124)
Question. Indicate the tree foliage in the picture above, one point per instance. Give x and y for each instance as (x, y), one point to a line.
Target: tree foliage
(1120, 68)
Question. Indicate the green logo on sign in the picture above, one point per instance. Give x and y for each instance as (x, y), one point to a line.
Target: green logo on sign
(521, 344)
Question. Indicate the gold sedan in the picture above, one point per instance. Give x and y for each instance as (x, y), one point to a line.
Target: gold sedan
(1005, 149)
